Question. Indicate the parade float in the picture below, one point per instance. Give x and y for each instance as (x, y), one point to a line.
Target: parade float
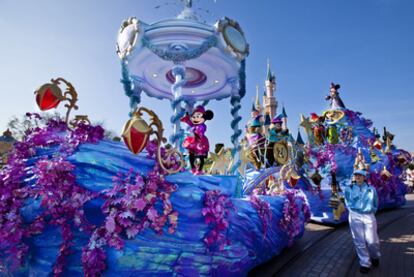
(339, 141)
(74, 203)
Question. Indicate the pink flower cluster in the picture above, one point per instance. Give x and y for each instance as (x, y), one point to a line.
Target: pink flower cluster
(290, 223)
(263, 209)
(216, 211)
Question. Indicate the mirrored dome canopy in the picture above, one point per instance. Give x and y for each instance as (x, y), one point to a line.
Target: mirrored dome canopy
(210, 54)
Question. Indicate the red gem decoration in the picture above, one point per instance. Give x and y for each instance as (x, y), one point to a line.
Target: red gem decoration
(136, 134)
(138, 141)
(47, 100)
(293, 181)
(377, 145)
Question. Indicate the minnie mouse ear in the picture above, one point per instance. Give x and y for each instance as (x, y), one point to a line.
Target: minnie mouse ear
(208, 115)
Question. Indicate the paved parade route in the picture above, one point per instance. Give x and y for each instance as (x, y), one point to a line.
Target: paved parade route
(329, 251)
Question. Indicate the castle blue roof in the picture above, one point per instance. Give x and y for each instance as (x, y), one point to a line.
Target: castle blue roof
(299, 139)
(284, 115)
(254, 108)
(269, 75)
(7, 137)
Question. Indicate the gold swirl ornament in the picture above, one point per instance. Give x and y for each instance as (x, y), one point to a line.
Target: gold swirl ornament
(334, 115)
(136, 133)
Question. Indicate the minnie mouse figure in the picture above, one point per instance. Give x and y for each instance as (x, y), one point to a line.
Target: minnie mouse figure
(197, 145)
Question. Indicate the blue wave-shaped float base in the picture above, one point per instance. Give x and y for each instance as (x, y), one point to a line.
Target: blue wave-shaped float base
(182, 253)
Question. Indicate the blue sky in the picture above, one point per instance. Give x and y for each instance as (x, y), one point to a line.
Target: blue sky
(365, 45)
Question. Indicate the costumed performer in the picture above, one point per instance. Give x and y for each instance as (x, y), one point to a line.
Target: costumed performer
(362, 202)
(197, 144)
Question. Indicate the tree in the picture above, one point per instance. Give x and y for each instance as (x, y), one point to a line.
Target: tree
(20, 125)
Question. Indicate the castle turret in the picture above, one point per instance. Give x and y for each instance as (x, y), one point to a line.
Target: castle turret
(257, 104)
(284, 118)
(270, 103)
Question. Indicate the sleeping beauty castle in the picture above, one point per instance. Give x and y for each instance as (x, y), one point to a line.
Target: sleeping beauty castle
(269, 100)
(268, 110)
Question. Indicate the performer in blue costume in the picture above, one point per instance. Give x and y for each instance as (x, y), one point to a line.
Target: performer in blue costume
(362, 202)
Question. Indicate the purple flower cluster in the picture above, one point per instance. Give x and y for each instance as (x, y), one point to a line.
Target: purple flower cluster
(171, 162)
(12, 249)
(13, 194)
(61, 198)
(305, 207)
(85, 133)
(216, 211)
(57, 125)
(357, 120)
(326, 156)
(387, 187)
(130, 204)
(151, 148)
(93, 255)
(130, 207)
(290, 223)
(263, 209)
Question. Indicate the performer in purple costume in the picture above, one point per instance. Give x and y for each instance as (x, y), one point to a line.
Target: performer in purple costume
(197, 145)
